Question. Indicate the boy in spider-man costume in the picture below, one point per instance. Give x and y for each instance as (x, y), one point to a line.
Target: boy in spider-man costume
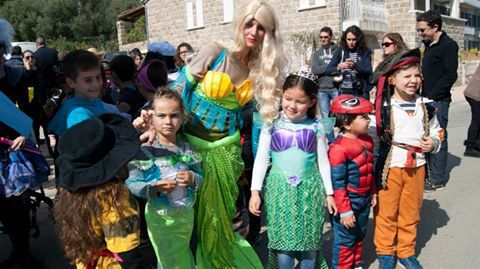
(354, 186)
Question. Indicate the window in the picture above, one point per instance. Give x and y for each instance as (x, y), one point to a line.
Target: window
(306, 4)
(420, 4)
(194, 14)
(227, 11)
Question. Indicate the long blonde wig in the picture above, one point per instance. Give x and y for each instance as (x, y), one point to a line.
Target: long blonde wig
(267, 63)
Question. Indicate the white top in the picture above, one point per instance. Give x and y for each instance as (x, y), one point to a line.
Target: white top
(409, 129)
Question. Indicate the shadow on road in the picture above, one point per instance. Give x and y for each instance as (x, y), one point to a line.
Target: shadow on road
(432, 218)
(452, 162)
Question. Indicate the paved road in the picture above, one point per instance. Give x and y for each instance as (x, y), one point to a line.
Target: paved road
(449, 232)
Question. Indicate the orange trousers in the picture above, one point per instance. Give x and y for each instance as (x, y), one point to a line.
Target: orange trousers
(397, 213)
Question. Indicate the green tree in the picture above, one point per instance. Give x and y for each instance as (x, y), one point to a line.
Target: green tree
(138, 31)
(91, 22)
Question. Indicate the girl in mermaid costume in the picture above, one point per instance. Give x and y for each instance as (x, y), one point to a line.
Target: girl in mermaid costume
(299, 177)
(167, 174)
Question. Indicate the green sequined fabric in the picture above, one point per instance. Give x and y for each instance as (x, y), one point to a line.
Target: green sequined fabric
(295, 214)
(219, 247)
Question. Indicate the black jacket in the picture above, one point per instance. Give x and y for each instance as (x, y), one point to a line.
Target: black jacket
(439, 68)
(363, 66)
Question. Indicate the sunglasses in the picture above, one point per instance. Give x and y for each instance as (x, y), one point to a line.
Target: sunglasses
(387, 44)
(324, 37)
(29, 57)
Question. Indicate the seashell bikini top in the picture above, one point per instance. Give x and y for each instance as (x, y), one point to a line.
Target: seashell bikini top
(283, 137)
(218, 85)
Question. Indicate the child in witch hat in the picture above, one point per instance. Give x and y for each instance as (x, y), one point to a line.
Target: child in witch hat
(97, 217)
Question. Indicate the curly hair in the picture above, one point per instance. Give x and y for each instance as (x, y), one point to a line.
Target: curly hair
(75, 211)
(361, 45)
(267, 63)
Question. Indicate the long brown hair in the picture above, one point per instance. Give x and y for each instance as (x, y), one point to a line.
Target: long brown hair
(75, 211)
(178, 60)
(397, 40)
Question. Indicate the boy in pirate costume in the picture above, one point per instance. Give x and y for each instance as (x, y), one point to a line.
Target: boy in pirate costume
(408, 132)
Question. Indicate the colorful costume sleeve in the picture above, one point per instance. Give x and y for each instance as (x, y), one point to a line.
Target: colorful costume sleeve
(338, 162)
(262, 160)
(136, 182)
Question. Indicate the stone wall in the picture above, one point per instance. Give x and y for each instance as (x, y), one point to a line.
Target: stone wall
(167, 21)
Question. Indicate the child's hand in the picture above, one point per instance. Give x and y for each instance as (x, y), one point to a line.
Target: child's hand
(348, 221)
(17, 143)
(148, 136)
(427, 143)
(142, 123)
(331, 205)
(373, 202)
(184, 178)
(254, 203)
(166, 185)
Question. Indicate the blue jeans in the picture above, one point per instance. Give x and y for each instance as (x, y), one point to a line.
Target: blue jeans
(324, 100)
(438, 162)
(286, 259)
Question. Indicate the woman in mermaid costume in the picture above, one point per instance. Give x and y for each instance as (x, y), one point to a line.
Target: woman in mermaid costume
(217, 83)
(299, 178)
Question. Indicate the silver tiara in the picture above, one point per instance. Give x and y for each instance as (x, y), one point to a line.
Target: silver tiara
(305, 72)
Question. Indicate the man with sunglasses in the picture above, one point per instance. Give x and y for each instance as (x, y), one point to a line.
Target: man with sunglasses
(439, 68)
(320, 60)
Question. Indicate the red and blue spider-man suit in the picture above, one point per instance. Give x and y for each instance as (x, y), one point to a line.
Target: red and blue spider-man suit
(351, 161)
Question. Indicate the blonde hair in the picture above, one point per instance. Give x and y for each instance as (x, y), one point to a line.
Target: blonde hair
(267, 63)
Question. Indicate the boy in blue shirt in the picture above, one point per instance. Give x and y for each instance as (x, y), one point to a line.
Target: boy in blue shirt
(82, 74)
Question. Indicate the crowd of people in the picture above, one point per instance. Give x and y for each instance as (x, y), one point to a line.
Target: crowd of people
(157, 155)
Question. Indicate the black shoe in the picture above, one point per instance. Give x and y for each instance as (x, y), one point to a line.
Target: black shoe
(472, 152)
(429, 187)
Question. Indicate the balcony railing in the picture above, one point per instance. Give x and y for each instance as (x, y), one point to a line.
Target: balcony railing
(368, 15)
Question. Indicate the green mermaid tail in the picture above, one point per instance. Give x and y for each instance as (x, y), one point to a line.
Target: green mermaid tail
(218, 246)
(170, 236)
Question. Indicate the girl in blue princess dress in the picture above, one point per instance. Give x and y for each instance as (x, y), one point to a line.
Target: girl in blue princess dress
(299, 178)
(167, 174)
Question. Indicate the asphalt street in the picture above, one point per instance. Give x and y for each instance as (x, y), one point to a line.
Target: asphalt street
(448, 234)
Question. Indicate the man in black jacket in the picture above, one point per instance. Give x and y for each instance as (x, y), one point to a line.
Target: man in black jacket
(47, 64)
(439, 67)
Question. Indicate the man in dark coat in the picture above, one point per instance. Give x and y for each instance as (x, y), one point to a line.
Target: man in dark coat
(47, 64)
(439, 68)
